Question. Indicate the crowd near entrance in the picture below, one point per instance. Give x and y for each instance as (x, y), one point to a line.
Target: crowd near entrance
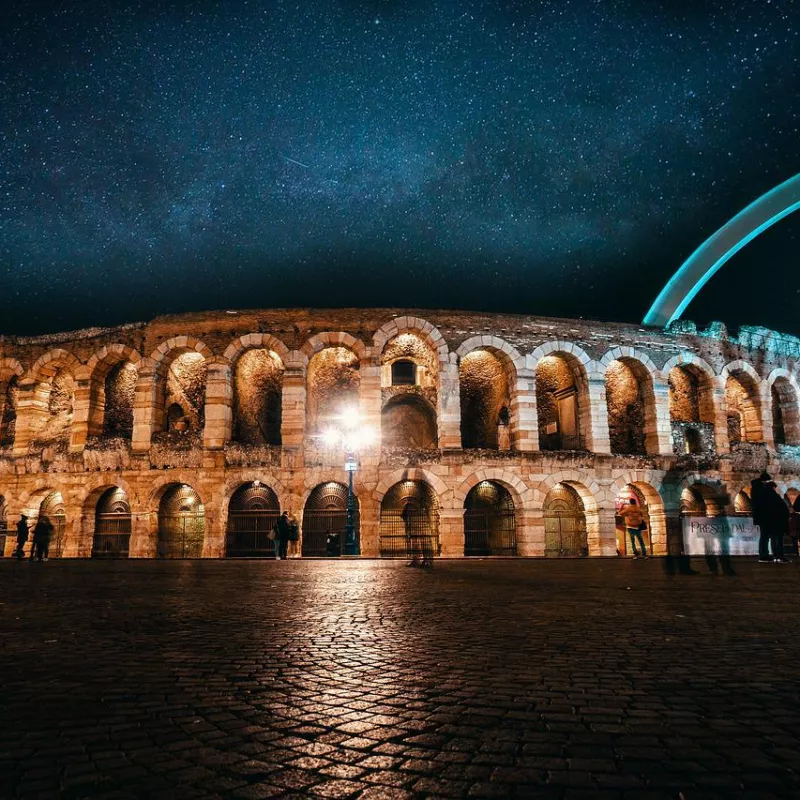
(409, 521)
(489, 524)
(181, 523)
(325, 521)
(252, 513)
(564, 523)
(112, 525)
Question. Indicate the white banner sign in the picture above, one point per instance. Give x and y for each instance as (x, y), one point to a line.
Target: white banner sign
(736, 536)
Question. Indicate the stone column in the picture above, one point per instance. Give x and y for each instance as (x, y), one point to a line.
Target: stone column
(449, 401)
(524, 417)
(145, 414)
(370, 394)
(451, 532)
(720, 419)
(598, 438)
(214, 539)
(218, 406)
(79, 430)
(658, 432)
(767, 431)
(602, 531)
(369, 520)
(530, 533)
(144, 535)
(293, 401)
(32, 411)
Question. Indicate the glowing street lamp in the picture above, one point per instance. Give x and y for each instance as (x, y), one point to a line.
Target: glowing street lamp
(351, 436)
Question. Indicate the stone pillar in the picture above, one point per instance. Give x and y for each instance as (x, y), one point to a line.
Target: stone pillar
(598, 437)
(524, 417)
(214, 539)
(767, 431)
(449, 411)
(145, 413)
(369, 521)
(720, 419)
(293, 401)
(658, 430)
(32, 411)
(79, 430)
(451, 532)
(601, 527)
(218, 406)
(370, 394)
(658, 531)
(530, 533)
(144, 535)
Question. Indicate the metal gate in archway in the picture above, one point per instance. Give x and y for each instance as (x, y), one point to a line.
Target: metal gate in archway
(325, 521)
(252, 513)
(409, 521)
(112, 525)
(564, 523)
(54, 509)
(181, 523)
(489, 522)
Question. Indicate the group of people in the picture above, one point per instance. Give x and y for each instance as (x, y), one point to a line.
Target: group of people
(285, 530)
(774, 519)
(42, 534)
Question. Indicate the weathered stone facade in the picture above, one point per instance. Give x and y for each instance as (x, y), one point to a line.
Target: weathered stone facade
(212, 402)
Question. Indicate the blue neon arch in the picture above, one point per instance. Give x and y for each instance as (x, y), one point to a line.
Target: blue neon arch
(695, 272)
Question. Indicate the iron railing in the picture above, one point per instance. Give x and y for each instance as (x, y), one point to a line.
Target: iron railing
(488, 533)
(565, 536)
(324, 532)
(248, 533)
(416, 535)
(112, 536)
(181, 535)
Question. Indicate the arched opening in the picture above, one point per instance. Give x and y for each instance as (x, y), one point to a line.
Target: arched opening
(632, 495)
(252, 513)
(743, 408)
(408, 421)
(691, 410)
(9, 394)
(111, 395)
(181, 523)
(485, 400)
(742, 504)
(564, 523)
(333, 383)
(52, 422)
(112, 525)
(489, 521)
(325, 521)
(180, 410)
(631, 411)
(54, 509)
(701, 500)
(561, 403)
(409, 520)
(257, 398)
(785, 416)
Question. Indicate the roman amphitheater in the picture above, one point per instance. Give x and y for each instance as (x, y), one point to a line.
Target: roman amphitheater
(502, 435)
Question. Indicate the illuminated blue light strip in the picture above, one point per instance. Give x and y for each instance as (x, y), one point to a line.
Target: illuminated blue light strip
(695, 272)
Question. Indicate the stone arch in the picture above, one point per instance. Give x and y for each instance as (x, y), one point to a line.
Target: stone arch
(410, 514)
(94, 489)
(50, 362)
(521, 494)
(325, 519)
(692, 404)
(31, 503)
(112, 374)
(253, 508)
(743, 401)
(320, 341)
(10, 373)
(409, 420)
(784, 393)
(556, 347)
(333, 383)
(181, 521)
(234, 483)
(164, 353)
(633, 421)
(648, 485)
(254, 341)
(408, 324)
(511, 357)
(443, 494)
(575, 532)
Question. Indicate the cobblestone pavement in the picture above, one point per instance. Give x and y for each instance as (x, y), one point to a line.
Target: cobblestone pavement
(601, 678)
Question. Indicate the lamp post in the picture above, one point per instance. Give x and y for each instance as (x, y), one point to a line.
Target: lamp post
(351, 436)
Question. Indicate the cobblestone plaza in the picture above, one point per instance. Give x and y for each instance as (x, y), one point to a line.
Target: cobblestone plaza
(501, 678)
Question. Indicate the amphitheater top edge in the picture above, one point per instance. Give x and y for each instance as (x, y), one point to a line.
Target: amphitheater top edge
(370, 319)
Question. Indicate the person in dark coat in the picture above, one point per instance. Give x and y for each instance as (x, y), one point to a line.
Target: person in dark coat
(42, 534)
(771, 514)
(282, 535)
(22, 536)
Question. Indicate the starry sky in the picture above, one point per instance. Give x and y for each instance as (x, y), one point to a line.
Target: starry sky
(559, 158)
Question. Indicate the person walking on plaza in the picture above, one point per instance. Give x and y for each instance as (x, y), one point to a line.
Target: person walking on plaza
(632, 514)
(42, 534)
(771, 514)
(22, 536)
(281, 531)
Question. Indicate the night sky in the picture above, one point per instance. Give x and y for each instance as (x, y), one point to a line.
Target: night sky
(559, 158)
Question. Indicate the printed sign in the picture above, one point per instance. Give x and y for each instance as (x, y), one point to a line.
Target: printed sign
(736, 536)
(350, 466)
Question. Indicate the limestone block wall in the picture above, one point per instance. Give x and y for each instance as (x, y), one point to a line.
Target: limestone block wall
(88, 410)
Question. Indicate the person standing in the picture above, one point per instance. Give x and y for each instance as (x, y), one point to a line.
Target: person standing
(633, 517)
(771, 514)
(281, 535)
(22, 536)
(42, 534)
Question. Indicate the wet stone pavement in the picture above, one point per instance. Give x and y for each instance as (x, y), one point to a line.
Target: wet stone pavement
(601, 678)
